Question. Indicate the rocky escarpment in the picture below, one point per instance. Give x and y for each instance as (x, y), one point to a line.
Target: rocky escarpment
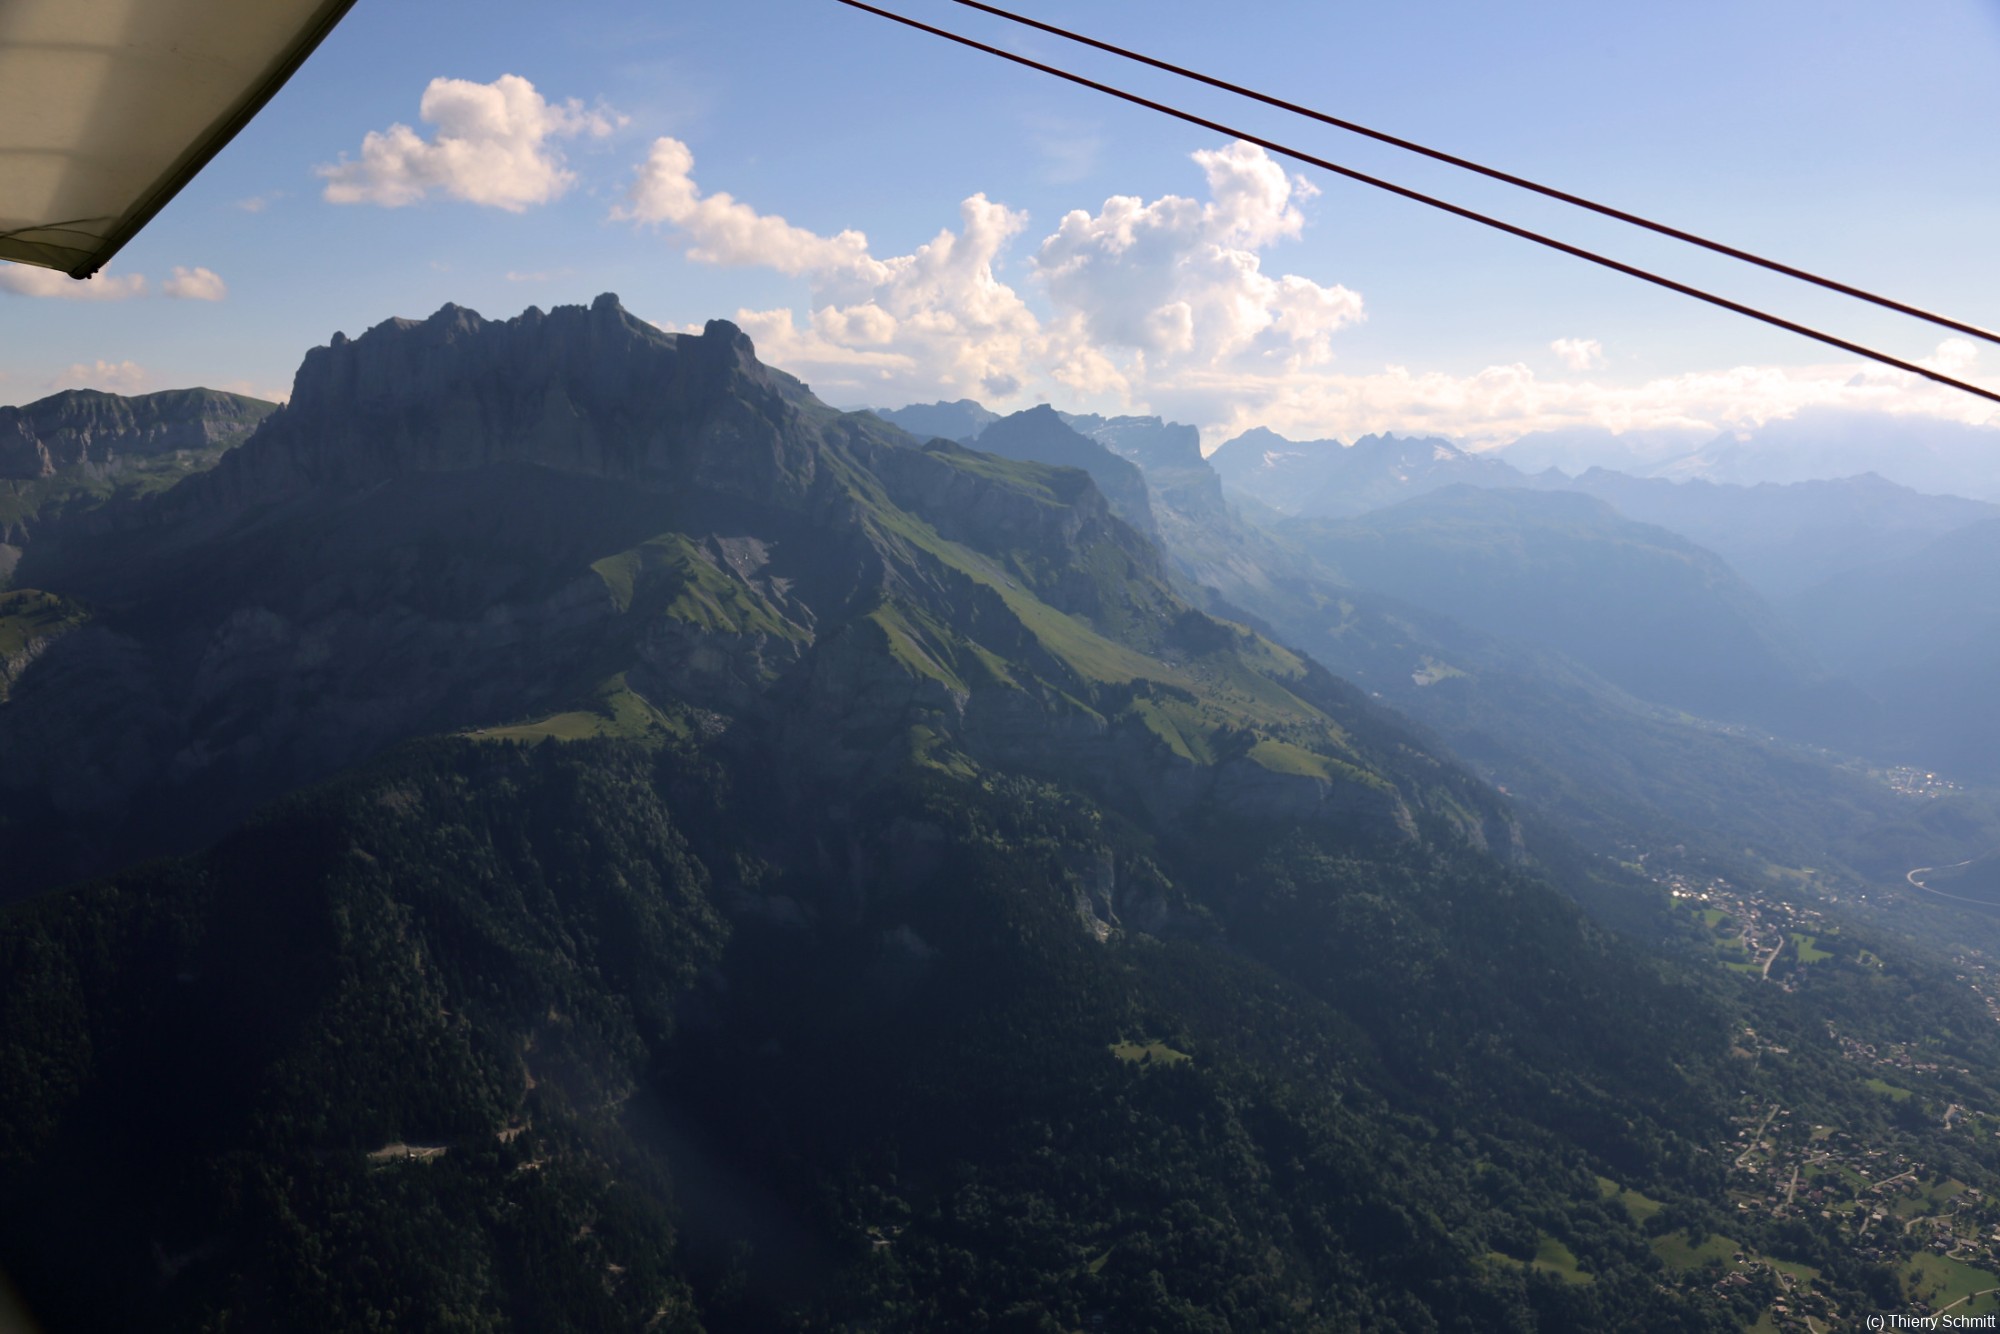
(64, 457)
(1042, 511)
(93, 432)
(1169, 454)
(592, 391)
(1150, 442)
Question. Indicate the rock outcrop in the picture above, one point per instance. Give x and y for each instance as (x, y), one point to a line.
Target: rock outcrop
(594, 391)
(1040, 435)
(93, 432)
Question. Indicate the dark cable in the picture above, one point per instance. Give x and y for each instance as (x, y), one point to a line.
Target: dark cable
(1736, 307)
(1493, 173)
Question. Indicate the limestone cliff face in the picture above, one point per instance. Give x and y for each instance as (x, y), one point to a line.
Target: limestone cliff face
(1065, 513)
(594, 391)
(1150, 442)
(1184, 486)
(960, 421)
(91, 431)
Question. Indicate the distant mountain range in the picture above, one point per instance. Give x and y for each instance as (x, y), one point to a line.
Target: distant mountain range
(1325, 478)
(1428, 570)
(1874, 580)
(1926, 454)
(1645, 609)
(1920, 630)
(1781, 537)
(961, 421)
(73, 451)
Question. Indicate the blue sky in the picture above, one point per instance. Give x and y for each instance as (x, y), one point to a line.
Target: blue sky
(1228, 289)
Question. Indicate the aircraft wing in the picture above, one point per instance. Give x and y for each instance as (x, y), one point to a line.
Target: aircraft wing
(109, 107)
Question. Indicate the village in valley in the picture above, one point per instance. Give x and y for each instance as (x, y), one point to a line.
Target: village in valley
(1882, 1187)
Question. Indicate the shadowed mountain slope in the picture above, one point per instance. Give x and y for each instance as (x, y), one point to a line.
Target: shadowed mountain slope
(1040, 435)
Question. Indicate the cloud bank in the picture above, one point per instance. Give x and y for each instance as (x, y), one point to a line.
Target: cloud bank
(494, 145)
(196, 284)
(1579, 354)
(1137, 290)
(188, 284)
(1503, 403)
(1171, 305)
(113, 377)
(24, 280)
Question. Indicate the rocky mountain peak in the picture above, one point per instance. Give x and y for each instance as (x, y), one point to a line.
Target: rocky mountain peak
(1041, 435)
(87, 429)
(1417, 450)
(1151, 442)
(961, 420)
(584, 389)
(1324, 477)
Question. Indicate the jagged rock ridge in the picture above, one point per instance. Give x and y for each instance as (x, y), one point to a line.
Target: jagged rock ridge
(1325, 478)
(87, 429)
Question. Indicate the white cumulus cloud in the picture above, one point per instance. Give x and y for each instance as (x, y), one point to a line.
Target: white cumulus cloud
(25, 280)
(494, 145)
(1137, 289)
(1168, 306)
(1954, 357)
(1179, 284)
(1579, 354)
(115, 377)
(196, 284)
(937, 316)
(1501, 403)
(722, 230)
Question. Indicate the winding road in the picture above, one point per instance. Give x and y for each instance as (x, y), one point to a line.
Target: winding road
(1912, 875)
